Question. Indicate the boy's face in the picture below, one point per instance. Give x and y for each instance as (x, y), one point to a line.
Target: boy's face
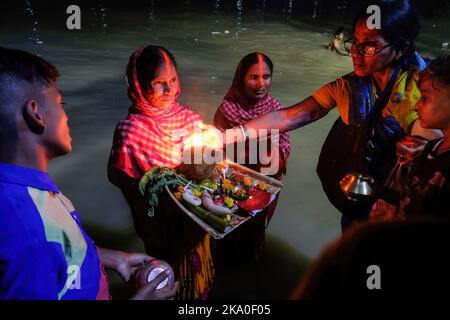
(434, 105)
(56, 136)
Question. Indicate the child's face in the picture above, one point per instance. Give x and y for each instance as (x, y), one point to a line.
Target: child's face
(56, 136)
(434, 105)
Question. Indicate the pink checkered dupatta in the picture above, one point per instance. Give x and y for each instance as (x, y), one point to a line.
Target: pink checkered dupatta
(149, 136)
(237, 109)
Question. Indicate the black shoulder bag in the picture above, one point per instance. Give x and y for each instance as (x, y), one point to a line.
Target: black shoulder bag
(368, 149)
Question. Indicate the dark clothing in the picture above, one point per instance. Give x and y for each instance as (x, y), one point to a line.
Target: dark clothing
(428, 191)
(247, 243)
(425, 189)
(411, 257)
(171, 236)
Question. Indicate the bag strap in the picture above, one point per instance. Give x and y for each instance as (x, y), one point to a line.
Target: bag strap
(380, 104)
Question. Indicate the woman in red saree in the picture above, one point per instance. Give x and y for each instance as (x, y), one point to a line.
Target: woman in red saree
(249, 97)
(153, 134)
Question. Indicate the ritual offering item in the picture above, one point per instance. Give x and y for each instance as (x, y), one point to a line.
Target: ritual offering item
(358, 187)
(194, 166)
(150, 271)
(257, 200)
(219, 198)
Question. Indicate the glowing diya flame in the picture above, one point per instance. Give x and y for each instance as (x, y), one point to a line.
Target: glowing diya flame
(197, 140)
(210, 137)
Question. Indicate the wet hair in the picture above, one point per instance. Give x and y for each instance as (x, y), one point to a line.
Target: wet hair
(400, 26)
(22, 76)
(150, 59)
(251, 59)
(438, 71)
(339, 31)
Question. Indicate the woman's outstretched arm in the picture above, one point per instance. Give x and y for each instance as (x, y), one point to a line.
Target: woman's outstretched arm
(290, 118)
(293, 117)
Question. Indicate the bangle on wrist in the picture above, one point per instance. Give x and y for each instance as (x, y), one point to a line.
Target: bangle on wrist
(247, 136)
(244, 135)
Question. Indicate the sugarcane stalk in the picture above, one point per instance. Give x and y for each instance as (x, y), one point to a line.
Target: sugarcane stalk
(218, 223)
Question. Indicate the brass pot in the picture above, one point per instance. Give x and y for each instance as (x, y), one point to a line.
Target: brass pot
(359, 187)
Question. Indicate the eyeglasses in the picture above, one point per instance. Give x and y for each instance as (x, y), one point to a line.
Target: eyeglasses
(364, 49)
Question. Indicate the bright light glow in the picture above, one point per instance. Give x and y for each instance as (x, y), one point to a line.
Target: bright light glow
(197, 140)
(209, 137)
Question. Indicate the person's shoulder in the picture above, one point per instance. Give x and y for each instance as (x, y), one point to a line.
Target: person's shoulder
(337, 41)
(343, 81)
(272, 99)
(124, 125)
(274, 103)
(67, 203)
(340, 85)
(347, 78)
(13, 198)
(128, 127)
(131, 120)
(220, 120)
(192, 115)
(20, 222)
(220, 107)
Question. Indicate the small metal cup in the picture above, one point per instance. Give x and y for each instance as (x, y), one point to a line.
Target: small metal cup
(359, 187)
(150, 271)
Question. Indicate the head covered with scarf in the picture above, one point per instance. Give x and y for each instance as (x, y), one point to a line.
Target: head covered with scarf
(153, 133)
(238, 106)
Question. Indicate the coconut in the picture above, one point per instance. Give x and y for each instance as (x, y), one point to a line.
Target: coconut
(195, 167)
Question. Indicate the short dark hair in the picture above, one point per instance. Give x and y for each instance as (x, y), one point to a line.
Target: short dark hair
(339, 31)
(26, 66)
(150, 59)
(20, 74)
(438, 70)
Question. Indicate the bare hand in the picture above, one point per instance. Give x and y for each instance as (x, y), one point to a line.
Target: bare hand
(129, 263)
(382, 211)
(208, 136)
(149, 291)
(345, 179)
(410, 148)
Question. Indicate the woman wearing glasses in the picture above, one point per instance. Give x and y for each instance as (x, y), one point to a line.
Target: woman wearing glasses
(376, 104)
